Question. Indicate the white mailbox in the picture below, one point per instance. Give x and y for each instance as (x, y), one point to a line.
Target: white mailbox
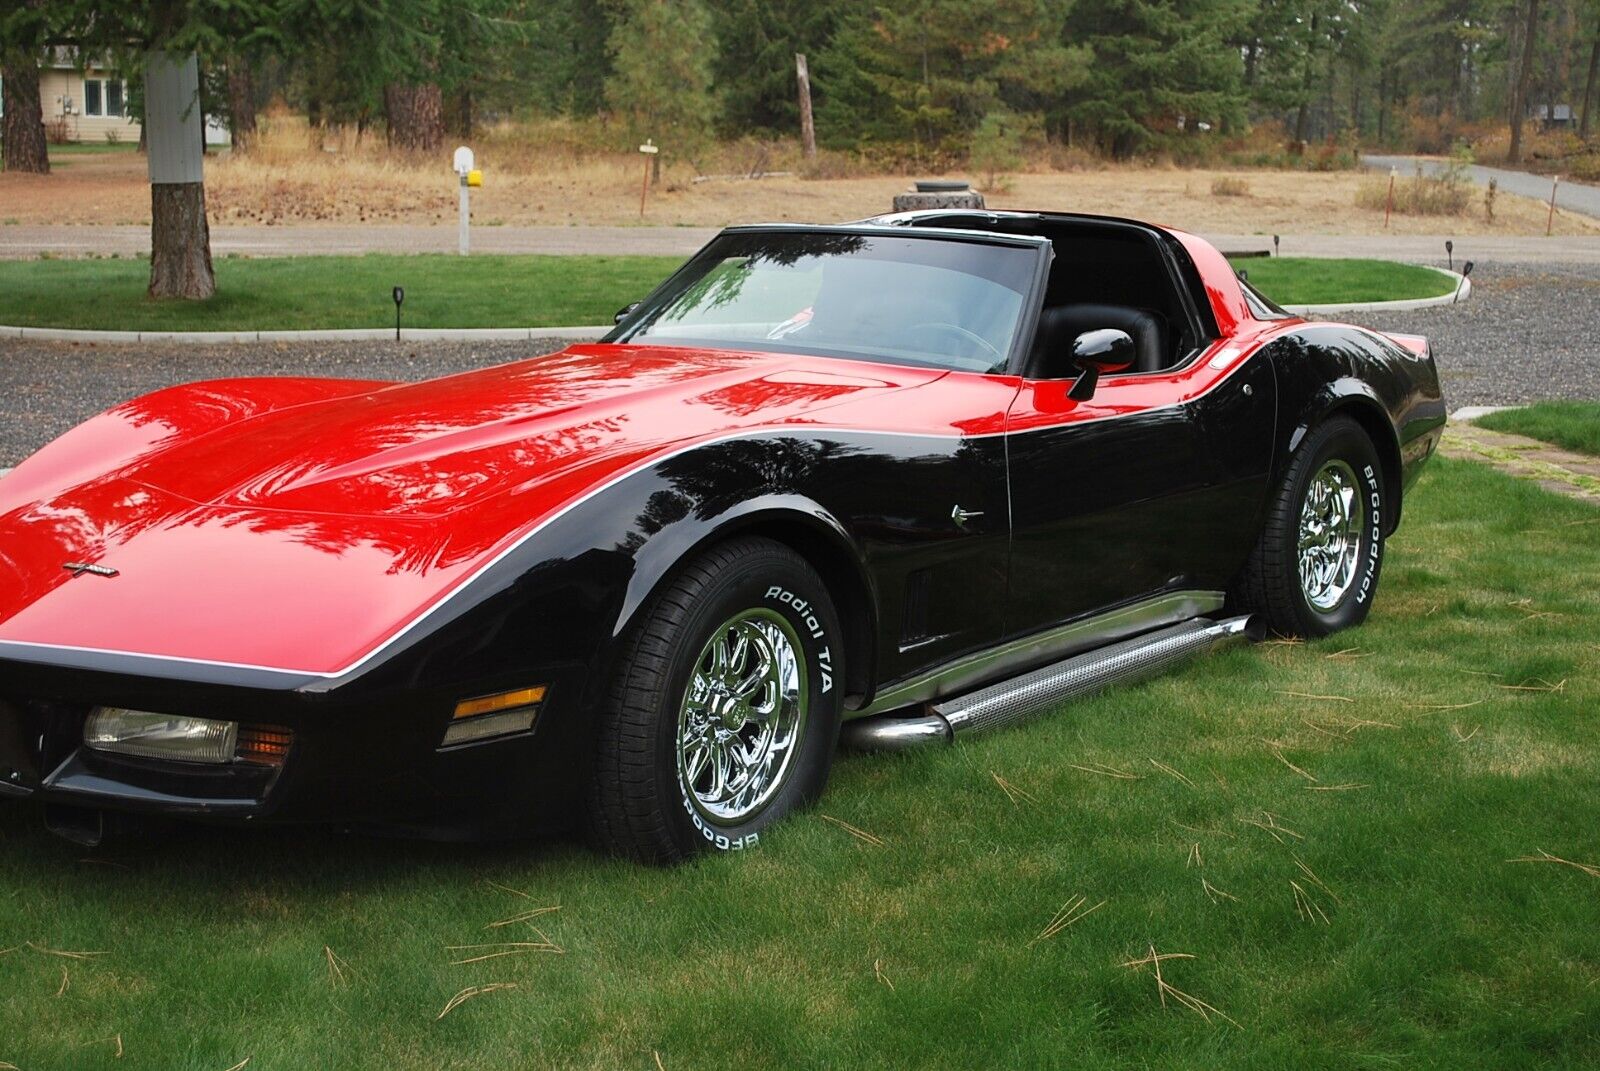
(463, 161)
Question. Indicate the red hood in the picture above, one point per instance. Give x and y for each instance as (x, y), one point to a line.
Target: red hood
(327, 524)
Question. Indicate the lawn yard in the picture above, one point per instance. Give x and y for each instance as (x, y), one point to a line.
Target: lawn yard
(286, 293)
(1572, 425)
(1327, 845)
(1313, 281)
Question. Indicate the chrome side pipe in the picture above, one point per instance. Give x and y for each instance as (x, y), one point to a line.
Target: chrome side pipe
(1016, 699)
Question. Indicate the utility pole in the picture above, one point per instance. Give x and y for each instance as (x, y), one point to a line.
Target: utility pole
(808, 130)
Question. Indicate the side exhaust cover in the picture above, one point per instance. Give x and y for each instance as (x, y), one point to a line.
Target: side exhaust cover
(1010, 701)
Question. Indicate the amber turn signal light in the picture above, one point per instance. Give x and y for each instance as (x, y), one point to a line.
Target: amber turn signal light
(494, 715)
(488, 704)
(264, 744)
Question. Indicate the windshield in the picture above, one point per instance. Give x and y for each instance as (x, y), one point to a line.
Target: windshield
(928, 301)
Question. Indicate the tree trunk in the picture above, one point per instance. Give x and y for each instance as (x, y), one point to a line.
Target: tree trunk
(415, 112)
(808, 129)
(1306, 84)
(180, 242)
(1519, 98)
(1588, 86)
(22, 131)
(461, 117)
(241, 104)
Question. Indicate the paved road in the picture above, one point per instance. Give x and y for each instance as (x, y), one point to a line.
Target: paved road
(1530, 332)
(1571, 196)
(17, 241)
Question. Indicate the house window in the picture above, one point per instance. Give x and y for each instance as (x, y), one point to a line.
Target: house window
(93, 97)
(115, 104)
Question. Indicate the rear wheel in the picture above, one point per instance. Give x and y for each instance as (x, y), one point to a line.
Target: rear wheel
(1314, 569)
(724, 709)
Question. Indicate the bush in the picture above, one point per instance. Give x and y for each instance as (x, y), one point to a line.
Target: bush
(1446, 194)
(1229, 186)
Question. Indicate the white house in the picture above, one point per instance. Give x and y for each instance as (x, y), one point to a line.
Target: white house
(84, 105)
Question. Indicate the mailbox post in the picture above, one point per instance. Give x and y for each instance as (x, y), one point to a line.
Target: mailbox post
(470, 177)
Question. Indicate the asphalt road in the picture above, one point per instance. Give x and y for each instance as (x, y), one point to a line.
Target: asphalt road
(1572, 196)
(1529, 332)
(26, 241)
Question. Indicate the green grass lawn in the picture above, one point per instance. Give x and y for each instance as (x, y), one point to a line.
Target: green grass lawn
(1573, 425)
(287, 293)
(1330, 830)
(1315, 281)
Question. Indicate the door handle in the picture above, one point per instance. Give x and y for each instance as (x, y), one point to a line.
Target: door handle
(962, 516)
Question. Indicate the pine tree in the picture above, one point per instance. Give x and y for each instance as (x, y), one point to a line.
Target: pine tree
(661, 54)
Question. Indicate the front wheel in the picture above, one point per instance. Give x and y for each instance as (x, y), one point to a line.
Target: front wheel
(724, 708)
(1314, 569)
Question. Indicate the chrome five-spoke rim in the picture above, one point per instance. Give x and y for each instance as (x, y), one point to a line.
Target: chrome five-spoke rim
(1330, 535)
(742, 717)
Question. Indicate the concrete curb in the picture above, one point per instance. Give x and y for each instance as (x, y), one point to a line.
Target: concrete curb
(1462, 291)
(1468, 413)
(377, 334)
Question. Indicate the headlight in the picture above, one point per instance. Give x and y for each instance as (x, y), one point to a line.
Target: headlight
(160, 736)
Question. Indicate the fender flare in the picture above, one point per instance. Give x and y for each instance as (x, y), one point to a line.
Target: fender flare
(1351, 396)
(796, 520)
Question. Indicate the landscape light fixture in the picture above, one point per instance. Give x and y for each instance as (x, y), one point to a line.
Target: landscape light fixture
(1450, 253)
(1466, 270)
(399, 297)
(1275, 245)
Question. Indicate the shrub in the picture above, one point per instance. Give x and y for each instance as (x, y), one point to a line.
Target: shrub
(1229, 186)
(1446, 194)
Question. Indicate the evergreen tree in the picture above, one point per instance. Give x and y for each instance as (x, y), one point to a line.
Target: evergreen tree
(661, 53)
(1156, 63)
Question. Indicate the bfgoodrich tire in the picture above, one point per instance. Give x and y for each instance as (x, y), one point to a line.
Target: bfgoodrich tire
(723, 713)
(1315, 568)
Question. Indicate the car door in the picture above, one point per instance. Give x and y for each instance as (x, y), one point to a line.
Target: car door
(1155, 484)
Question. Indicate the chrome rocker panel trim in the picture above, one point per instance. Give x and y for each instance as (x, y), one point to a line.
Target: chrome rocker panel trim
(1039, 648)
(1010, 701)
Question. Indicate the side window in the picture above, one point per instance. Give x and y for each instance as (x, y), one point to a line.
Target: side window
(116, 104)
(93, 101)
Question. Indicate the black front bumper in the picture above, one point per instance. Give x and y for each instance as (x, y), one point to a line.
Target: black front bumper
(373, 761)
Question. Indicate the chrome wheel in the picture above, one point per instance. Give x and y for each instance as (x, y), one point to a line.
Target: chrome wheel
(1330, 535)
(742, 717)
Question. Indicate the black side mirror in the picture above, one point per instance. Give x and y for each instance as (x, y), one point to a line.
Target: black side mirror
(1096, 353)
(625, 312)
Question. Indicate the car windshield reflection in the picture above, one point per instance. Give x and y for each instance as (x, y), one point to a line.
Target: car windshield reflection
(922, 300)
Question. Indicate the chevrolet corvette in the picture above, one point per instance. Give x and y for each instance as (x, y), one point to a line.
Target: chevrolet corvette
(887, 483)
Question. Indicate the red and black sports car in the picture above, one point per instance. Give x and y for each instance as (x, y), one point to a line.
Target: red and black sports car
(905, 479)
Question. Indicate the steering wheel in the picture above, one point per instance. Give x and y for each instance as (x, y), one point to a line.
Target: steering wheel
(961, 333)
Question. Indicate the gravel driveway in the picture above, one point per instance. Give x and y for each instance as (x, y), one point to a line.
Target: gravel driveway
(1529, 332)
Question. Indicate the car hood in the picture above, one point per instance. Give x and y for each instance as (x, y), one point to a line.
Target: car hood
(432, 448)
(299, 536)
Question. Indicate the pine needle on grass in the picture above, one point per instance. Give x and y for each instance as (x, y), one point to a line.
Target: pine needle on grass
(877, 972)
(1213, 892)
(507, 948)
(1194, 859)
(1165, 989)
(1535, 684)
(1107, 771)
(1545, 857)
(62, 952)
(336, 968)
(522, 917)
(467, 994)
(1013, 793)
(1270, 824)
(240, 1066)
(1170, 772)
(1279, 756)
(65, 981)
(1305, 907)
(1071, 912)
(860, 834)
(1348, 787)
(1323, 698)
(1311, 875)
